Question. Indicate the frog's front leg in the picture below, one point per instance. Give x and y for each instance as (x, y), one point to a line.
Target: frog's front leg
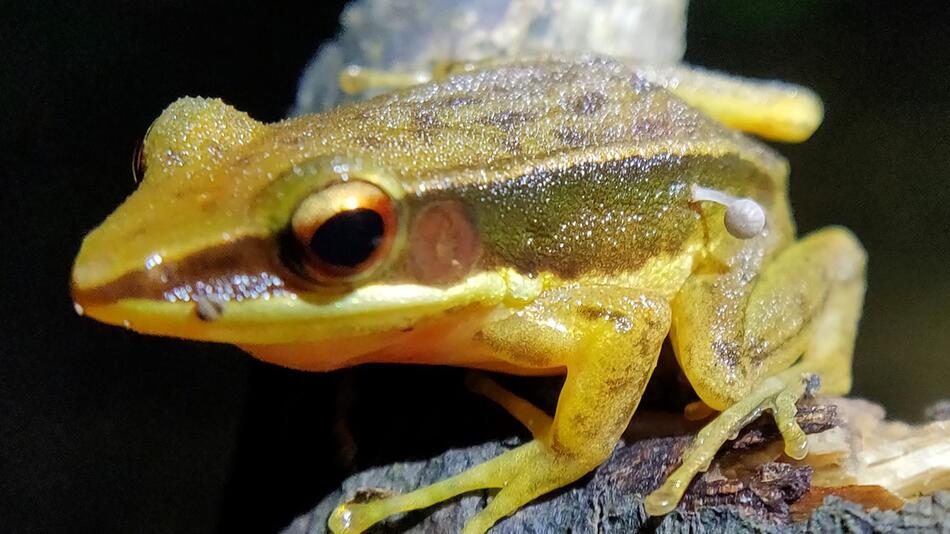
(608, 339)
(355, 79)
(737, 336)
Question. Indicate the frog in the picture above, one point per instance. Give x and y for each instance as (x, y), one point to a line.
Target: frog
(534, 217)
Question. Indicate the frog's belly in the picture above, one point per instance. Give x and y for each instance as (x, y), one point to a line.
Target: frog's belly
(446, 340)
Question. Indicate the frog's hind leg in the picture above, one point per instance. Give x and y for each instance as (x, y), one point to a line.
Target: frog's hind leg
(773, 110)
(533, 418)
(777, 394)
(737, 338)
(609, 340)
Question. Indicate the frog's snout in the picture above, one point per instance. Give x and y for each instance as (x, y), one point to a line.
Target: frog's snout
(88, 272)
(86, 285)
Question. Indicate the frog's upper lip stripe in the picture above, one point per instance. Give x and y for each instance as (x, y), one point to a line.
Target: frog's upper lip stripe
(245, 269)
(288, 319)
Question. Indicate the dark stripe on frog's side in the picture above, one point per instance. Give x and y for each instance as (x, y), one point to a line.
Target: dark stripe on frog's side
(602, 217)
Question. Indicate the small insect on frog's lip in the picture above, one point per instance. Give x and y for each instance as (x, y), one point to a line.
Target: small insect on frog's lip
(291, 318)
(270, 322)
(227, 322)
(148, 317)
(191, 311)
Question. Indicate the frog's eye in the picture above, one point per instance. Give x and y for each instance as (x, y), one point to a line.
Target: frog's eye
(344, 231)
(138, 157)
(138, 162)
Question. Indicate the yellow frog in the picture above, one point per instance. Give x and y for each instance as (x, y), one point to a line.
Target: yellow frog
(536, 217)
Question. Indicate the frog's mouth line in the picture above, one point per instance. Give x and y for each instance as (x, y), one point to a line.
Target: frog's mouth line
(211, 272)
(289, 319)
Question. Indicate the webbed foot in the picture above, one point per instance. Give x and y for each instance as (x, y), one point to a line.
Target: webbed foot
(521, 475)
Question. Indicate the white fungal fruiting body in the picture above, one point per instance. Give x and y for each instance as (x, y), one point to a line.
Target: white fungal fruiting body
(744, 217)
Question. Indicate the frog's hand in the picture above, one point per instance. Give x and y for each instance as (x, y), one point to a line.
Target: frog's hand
(609, 342)
(736, 335)
(773, 110)
(355, 79)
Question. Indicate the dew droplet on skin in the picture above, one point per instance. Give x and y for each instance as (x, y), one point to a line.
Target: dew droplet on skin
(153, 261)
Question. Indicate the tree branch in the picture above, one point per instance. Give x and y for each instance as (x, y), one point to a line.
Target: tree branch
(860, 474)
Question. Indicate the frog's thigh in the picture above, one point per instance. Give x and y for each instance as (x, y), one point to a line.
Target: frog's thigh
(608, 339)
(778, 111)
(736, 338)
(731, 331)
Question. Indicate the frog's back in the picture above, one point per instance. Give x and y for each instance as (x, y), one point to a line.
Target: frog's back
(522, 113)
(578, 168)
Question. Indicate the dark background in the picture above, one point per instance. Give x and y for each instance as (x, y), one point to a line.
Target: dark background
(106, 431)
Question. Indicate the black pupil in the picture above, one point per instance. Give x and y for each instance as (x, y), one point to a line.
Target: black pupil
(348, 238)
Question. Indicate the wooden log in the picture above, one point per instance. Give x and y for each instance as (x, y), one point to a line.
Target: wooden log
(862, 475)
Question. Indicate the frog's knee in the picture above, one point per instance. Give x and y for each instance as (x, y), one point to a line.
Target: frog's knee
(719, 388)
(853, 259)
(846, 256)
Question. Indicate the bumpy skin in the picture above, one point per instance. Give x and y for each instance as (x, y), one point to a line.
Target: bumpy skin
(560, 190)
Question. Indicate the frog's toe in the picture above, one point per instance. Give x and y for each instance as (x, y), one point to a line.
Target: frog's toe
(784, 411)
(665, 499)
(778, 394)
(353, 518)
